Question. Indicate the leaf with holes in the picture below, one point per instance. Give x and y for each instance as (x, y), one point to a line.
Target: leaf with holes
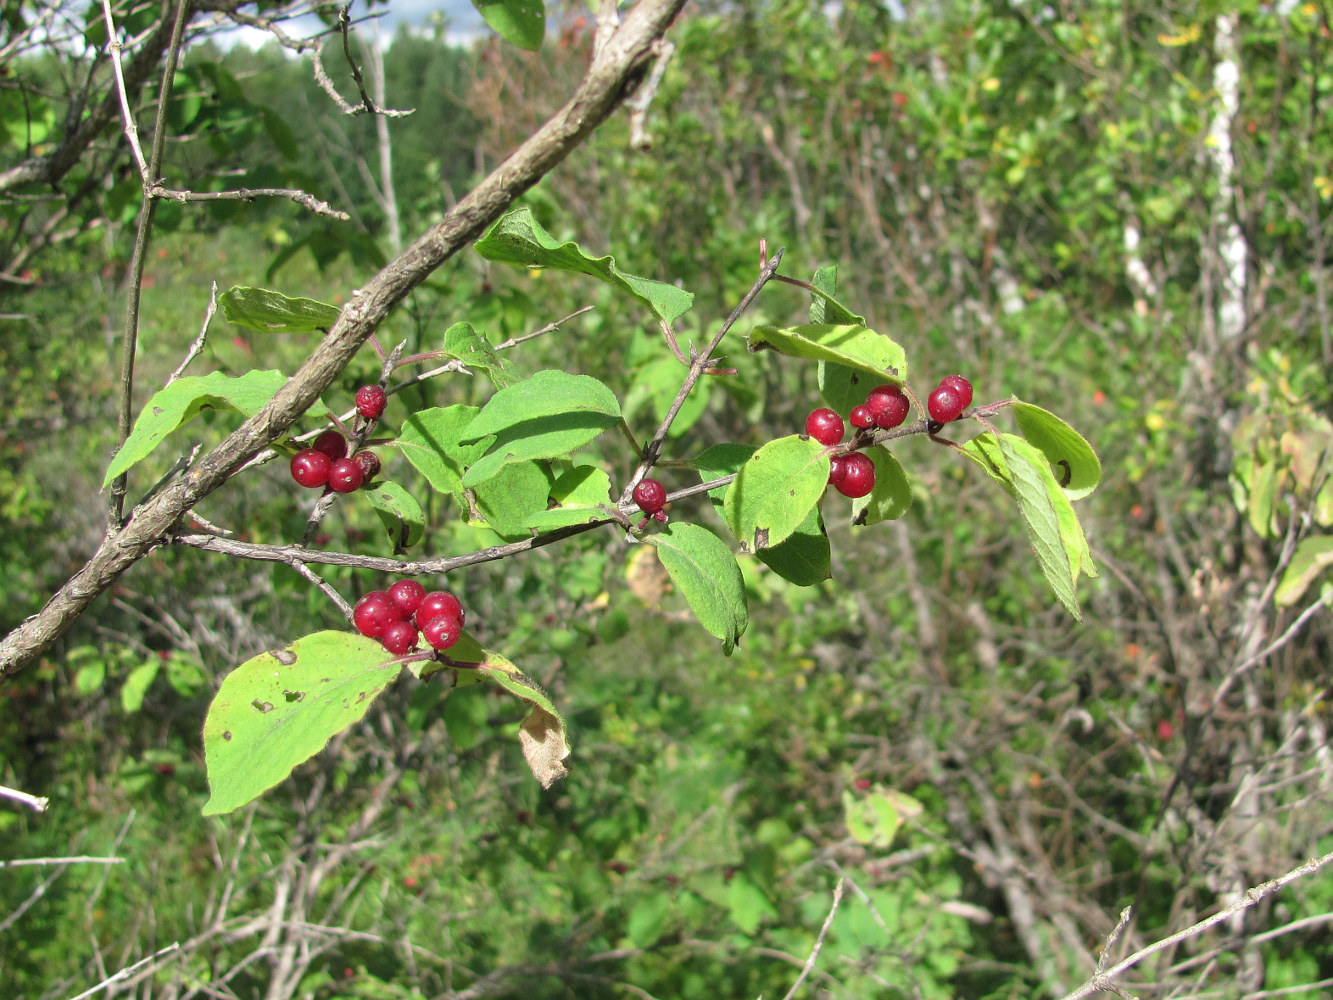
(279, 709)
(775, 491)
(1077, 468)
(519, 239)
(182, 401)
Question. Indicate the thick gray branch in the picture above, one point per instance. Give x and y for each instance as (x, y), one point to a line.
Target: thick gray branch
(609, 79)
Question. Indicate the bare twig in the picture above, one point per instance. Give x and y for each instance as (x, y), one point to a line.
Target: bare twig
(1103, 980)
(36, 802)
(306, 201)
(548, 328)
(819, 942)
(198, 344)
(125, 973)
(643, 98)
(131, 128)
(81, 859)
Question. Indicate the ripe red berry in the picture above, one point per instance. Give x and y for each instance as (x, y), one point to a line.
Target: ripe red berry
(877, 398)
(332, 444)
(345, 476)
(374, 613)
(894, 412)
(311, 468)
(407, 594)
(944, 404)
(824, 426)
(442, 632)
(370, 401)
(400, 638)
(837, 470)
(862, 416)
(650, 495)
(369, 462)
(438, 604)
(960, 385)
(859, 477)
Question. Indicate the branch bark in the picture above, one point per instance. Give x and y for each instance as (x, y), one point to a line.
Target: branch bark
(610, 78)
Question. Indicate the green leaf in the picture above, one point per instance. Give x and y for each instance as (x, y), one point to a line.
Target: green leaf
(775, 490)
(655, 386)
(519, 239)
(430, 441)
(725, 459)
(1263, 498)
(279, 709)
(136, 686)
(892, 495)
(876, 817)
(507, 500)
(542, 734)
(1312, 557)
(824, 308)
(545, 416)
(398, 511)
(1052, 526)
(1078, 469)
(648, 919)
(465, 344)
(90, 677)
(582, 494)
(704, 570)
(748, 905)
(804, 557)
(266, 311)
(183, 400)
(851, 345)
(518, 22)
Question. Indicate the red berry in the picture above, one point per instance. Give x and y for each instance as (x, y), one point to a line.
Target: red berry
(862, 416)
(442, 632)
(824, 426)
(944, 404)
(878, 396)
(374, 613)
(345, 476)
(893, 413)
(438, 604)
(370, 401)
(650, 495)
(859, 477)
(400, 638)
(332, 444)
(407, 594)
(960, 385)
(837, 470)
(311, 468)
(369, 462)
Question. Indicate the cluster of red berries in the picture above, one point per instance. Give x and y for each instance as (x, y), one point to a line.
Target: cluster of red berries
(327, 464)
(395, 616)
(886, 407)
(951, 397)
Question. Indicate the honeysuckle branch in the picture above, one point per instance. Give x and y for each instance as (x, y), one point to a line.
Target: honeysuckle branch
(198, 344)
(307, 201)
(609, 77)
(1105, 980)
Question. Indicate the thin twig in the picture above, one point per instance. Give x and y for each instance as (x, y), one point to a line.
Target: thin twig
(114, 46)
(1292, 631)
(324, 586)
(819, 942)
(305, 200)
(198, 344)
(125, 973)
(548, 328)
(81, 859)
(36, 802)
(1102, 980)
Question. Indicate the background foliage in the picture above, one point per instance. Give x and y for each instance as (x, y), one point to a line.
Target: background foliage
(1024, 196)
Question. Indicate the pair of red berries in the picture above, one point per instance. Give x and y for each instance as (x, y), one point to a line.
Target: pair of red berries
(394, 617)
(327, 464)
(949, 399)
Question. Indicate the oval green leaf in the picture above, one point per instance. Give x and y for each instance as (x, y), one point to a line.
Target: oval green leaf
(430, 441)
(850, 345)
(519, 239)
(581, 495)
(518, 22)
(704, 570)
(1077, 467)
(183, 400)
(279, 709)
(398, 511)
(804, 557)
(267, 311)
(775, 490)
(1312, 557)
